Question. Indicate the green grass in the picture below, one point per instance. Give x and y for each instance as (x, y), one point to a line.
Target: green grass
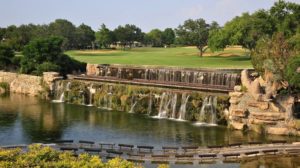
(180, 56)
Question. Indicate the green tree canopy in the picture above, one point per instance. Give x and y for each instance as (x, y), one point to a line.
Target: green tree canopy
(127, 34)
(6, 56)
(47, 55)
(154, 38)
(194, 32)
(65, 29)
(168, 36)
(85, 37)
(104, 37)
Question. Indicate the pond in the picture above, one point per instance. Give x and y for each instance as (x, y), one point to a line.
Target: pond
(25, 120)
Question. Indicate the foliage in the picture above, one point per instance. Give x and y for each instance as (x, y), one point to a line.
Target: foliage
(46, 54)
(248, 29)
(194, 33)
(39, 156)
(85, 37)
(292, 72)
(126, 35)
(272, 55)
(154, 37)
(6, 56)
(66, 30)
(4, 86)
(104, 37)
(168, 36)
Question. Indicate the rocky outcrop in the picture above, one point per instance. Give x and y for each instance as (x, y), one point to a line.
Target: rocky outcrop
(92, 69)
(29, 84)
(260, 109)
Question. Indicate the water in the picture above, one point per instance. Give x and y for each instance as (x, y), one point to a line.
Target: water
(25, 120)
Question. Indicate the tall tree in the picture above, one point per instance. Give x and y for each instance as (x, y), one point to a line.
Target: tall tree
(168, 36)
(6, 56)
(85, 36)
(127, 34)
(104, 37)
(65, 29)
(194, 32)
(154, 38)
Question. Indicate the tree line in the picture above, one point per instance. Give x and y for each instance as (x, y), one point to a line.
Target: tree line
(265, 33)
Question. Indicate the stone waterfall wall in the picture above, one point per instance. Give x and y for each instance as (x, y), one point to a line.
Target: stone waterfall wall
(249, 110)
(29, 84)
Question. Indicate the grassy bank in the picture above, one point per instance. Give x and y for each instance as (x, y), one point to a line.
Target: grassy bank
(180, 56)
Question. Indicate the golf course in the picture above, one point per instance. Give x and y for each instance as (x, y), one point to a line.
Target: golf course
(233, 57)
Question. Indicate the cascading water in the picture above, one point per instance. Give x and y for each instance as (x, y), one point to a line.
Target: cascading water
(150, 105)
(60, 93)
(92, 91)
(163, 106)
(208, 110)
(133, 104)
(173, 104)
(182, 110)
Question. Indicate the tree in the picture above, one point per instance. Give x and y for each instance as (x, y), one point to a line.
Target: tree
(85, 37)
(272, 54)
(66, 30)
(168, 36)
(47, 54)
(127, 34)
(194, 32)
(104, 37)
(154, 37)
(6, 56)
(292, 72)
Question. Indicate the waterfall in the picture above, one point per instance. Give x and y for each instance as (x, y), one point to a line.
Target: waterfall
(173, 105)
(60, 93)
(182, 110)
(150, 105)
(132, 107)
(92, 91)
(163, 106)
(208, 110)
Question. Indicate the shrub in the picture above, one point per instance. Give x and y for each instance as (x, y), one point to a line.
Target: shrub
(292, 76)
(38, 156)
(4, 86)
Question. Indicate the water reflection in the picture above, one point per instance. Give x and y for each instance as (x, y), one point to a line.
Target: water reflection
(27, 119)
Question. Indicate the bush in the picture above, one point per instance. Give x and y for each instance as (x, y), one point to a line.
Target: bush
(292, 76)
(4, 86)
(6, 55)
(38, 156)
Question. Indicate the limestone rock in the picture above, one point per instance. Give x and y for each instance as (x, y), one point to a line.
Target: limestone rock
(92, 69)
(260, 105)
(237, 88)
(274, 107)
(268, 116)
(237, 125)
(278, 130)
(233, 100)
(235, 94)
(239, 112)
(2, 90)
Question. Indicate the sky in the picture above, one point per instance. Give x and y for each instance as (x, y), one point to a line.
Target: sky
(146, 14)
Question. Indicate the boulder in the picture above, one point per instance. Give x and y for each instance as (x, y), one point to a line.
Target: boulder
(260, 105)
(274, 107)
(235, 94)
(237, 125)
(239, 112)
(277, 130)
(237, 88)
(268, 116)
(234, 100)
(2, 90)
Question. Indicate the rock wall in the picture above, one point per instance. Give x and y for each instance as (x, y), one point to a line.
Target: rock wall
(29, 84)
(250, 108)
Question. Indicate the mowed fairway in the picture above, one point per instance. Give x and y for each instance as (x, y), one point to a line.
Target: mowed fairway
(180, 56)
